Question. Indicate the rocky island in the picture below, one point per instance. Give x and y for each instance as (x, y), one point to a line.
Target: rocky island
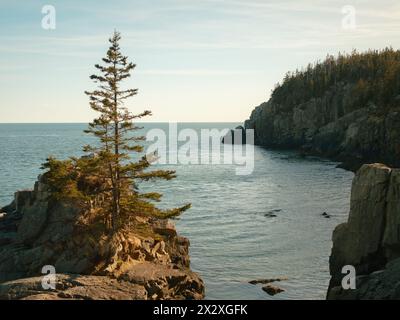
(147, 261)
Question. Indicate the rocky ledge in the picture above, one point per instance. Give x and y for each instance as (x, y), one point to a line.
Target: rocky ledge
(148, 261)
(370, 239)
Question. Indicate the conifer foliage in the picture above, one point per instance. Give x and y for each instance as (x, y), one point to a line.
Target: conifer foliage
(374, 76)
(110, 174)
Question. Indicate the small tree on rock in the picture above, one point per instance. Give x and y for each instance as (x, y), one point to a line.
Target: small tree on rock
(108, 175)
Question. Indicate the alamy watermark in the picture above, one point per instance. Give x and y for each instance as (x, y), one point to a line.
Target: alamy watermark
(349, 21)
(349, 280)
(187, 146)
(49, 18)
(49, 278)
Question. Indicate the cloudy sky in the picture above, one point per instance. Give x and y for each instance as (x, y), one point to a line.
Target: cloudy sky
(197, 60)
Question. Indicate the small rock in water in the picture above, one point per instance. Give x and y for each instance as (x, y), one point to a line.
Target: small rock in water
(325, 215)
(266, 281)
(269, 215)
(272, 213)
(272, 290)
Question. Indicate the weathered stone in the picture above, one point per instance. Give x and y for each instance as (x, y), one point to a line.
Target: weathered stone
(72, 287)
(272, 290)
(23, 199)
(329, 126)
(379, 285)
(370, 238)
(164, 281)
(33, 222)
(391, 239)
(47, 232)
(164, 227)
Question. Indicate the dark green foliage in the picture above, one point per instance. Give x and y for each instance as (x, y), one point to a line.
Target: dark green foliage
(375, 76)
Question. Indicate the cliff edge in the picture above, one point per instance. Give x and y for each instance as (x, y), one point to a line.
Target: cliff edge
(370, 239)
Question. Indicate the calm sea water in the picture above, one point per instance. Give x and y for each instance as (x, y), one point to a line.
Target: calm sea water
(232, 241)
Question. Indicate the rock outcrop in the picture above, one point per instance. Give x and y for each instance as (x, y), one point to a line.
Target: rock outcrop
(148, 261)
(329, 126)
(370, 239)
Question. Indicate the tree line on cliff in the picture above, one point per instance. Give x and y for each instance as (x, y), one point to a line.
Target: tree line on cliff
(375, 75)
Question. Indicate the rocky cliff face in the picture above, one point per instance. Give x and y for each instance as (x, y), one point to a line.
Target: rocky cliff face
(149, 261)
(370, 240)
(330, 126)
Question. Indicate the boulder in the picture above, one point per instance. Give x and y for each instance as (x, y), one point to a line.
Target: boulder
(272, 290)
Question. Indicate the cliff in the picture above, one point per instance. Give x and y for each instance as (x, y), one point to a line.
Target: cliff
(148, 261)
(345, 108)
(370, 239)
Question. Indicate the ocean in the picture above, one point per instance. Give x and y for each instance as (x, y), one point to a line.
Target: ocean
(267, 224)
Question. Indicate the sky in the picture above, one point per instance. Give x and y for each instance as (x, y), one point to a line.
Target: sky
(197, 60)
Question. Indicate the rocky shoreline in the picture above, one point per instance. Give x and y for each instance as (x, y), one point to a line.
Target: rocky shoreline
(149, 261)
(370, 239)
(324, 127)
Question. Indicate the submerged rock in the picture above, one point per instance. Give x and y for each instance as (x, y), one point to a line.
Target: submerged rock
(37, 231)
(266, 281)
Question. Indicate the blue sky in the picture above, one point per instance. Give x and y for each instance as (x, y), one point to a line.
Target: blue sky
(197, 60)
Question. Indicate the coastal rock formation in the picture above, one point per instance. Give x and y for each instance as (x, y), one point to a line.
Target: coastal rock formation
(370, 239)
(324, 126)
(148, 261)
(346, 108)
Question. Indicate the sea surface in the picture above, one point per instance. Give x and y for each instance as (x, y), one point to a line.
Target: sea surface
(264, 225)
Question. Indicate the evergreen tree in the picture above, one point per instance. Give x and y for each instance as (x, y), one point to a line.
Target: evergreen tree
(113, 127)
(108, 177)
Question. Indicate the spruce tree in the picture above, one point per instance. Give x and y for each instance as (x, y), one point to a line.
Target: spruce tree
(114, 127)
